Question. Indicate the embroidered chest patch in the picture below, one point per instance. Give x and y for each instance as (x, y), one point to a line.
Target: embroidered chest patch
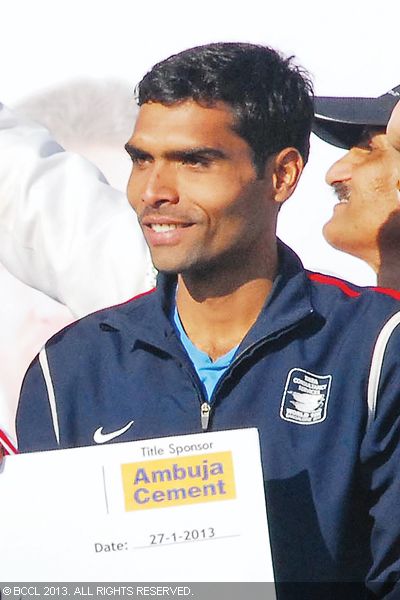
(305, 398)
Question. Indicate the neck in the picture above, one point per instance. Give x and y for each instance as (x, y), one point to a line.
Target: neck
(217, 309)
(385, 262)
(388, 275)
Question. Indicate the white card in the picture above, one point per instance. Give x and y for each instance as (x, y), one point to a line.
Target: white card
(182, 508)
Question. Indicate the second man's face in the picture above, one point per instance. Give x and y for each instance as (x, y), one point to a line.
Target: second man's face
(195, 189)
(366, 183)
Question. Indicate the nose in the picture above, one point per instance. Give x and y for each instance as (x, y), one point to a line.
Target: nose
(160, 186)
(340, 170)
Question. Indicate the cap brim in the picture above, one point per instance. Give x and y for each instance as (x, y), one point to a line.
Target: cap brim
(341, 121)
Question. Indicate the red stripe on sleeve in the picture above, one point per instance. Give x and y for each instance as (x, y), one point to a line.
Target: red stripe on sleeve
(327, 280)
(388, 291)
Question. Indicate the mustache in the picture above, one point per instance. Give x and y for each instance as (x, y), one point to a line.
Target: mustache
(341, 190)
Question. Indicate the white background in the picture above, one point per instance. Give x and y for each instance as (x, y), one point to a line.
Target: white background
(350, 48)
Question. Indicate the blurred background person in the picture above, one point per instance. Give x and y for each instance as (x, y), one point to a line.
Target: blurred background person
(91, 119)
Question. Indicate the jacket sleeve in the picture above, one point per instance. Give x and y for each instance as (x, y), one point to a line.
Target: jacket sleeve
(36, 422)
(380, 455)
(63, 229)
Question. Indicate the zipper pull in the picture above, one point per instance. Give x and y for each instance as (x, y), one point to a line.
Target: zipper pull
(205, 415)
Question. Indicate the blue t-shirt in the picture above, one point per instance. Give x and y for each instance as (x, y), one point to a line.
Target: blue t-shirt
(209, 372)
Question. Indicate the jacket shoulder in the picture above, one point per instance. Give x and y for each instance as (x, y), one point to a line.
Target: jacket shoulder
(336, 287)
(107, 319)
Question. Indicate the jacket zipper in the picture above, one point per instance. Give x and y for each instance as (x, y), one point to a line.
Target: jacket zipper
(205, 407)
(205, 410)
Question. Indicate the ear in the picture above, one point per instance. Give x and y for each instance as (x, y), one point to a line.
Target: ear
(287, 168)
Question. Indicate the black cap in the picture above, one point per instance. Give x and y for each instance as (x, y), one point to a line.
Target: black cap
(341, 121)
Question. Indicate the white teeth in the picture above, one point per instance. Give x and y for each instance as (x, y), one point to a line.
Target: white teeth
(161, 228)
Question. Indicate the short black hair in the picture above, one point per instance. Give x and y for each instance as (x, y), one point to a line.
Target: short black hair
(270, 96)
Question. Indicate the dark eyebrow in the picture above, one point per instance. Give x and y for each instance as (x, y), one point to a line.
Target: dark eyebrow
(193, 154)
(135, 152)
(190, 154)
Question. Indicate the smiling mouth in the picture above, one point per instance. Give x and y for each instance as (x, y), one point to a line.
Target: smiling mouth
(165, 227)
(162, 228)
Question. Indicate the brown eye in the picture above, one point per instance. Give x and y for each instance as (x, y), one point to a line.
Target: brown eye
(195, 161)
(140, 161)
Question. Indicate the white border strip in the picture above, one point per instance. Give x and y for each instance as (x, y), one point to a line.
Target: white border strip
(7, 444)
(50, 391)
(376, 365)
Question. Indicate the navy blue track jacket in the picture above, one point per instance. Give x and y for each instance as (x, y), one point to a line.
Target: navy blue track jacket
(318, 375)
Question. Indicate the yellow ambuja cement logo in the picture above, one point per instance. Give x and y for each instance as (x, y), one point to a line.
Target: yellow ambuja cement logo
(176, 482)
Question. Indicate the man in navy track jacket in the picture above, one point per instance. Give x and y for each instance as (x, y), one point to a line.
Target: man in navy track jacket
(237, 333)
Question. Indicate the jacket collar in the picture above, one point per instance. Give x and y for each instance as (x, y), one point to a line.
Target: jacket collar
(148, 318)
(289, 302)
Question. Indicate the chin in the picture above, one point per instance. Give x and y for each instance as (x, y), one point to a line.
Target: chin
(347, 244)
(166, 268)
(334, 237)
(328, 234)
(165, 262)
(171, 267)
(174, 263)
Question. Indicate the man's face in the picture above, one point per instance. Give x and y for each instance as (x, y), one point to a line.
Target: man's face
(365, 181)
(195, 189)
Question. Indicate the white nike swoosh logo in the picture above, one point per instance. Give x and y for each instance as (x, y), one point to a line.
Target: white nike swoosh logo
(101, 438)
